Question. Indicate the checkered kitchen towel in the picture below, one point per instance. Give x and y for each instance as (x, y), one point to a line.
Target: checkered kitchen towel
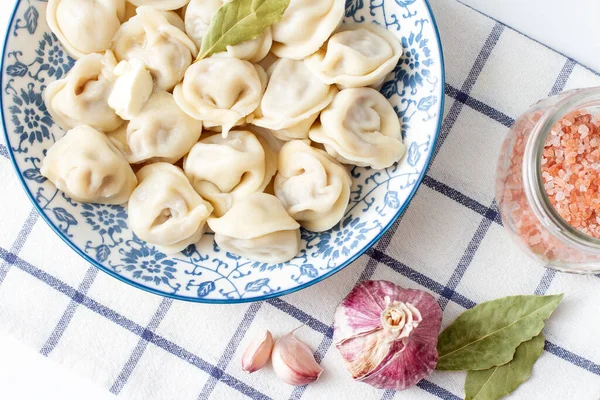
(450, 242)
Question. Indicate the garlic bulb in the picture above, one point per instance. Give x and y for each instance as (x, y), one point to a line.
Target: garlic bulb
(388, 335)
(293, 361)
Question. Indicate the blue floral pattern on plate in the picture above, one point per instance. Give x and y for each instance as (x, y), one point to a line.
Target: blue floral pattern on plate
(33, 57)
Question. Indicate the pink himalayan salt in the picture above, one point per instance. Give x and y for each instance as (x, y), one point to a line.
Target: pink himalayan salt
(513, 203)
(570, 163)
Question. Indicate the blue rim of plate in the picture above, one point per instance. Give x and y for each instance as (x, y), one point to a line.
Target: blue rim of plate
(233, 301)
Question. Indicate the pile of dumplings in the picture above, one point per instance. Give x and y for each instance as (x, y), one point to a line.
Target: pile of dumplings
(249, 143)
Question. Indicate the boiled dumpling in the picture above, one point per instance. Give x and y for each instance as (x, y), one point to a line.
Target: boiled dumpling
(252, 50)
(292, 101)
(165, 210)
(174, 17)
(160, 4)
(88, 168)
(272, 146)
(305, 26)
(224, 170)
(198, 16)
(155, 37)
(258, 227)
(360, 127)
(357, 55)
(132, 89)
(313, 187)
(221, 91)
(160, 132)
(75, 24)
(81, 98)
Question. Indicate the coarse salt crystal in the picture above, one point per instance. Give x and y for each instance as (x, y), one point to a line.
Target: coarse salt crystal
(535, 239)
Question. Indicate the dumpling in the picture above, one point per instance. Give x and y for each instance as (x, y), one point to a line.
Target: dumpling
(305, 26)
(88, 168)
(132, 89)
(252, 50)
(221, 91)
(160, 4)
(258, 228)
(75, 24)
(360, 127)
(81, 98)
(357, 55)
(313, 187)
(224, 170)
(272, 146)
(160, 132)
(156, 38)
(198, 16)
(174, 18)
(292, 101)
(165, 210)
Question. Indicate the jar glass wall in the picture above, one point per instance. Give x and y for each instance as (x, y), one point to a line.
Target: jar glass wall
(526, 210)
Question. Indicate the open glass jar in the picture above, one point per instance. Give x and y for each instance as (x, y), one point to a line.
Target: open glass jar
(526, 210)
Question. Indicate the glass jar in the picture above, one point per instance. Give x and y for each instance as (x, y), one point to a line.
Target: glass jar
(527, 213)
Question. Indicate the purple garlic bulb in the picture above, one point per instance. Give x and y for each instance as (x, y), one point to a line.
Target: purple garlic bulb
(387, 335)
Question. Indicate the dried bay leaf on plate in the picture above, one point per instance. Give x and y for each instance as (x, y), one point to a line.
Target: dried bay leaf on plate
(488, 334)
(497, 382)
(239, 21)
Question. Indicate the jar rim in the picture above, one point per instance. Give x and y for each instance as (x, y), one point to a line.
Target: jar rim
(532, 169)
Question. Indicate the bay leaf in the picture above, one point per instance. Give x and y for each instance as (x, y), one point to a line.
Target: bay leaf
(239, 21)
(488, 334)
(497, 382)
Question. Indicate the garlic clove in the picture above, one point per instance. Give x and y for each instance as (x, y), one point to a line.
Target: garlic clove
(258, 352)
(293, 361)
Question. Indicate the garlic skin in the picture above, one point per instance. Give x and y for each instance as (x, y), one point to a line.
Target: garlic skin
(387, 335)
(293, 361)
(258, 353)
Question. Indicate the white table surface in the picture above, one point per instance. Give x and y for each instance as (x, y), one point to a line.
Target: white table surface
(568, 26)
